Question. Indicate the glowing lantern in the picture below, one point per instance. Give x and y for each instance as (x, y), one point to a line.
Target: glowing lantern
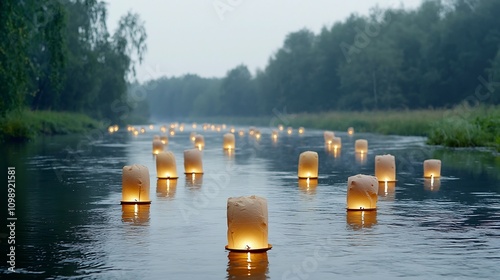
(289, 130)
(301, 130)
(212, 127)
(224, 126)
(228, 141)
(432, 168)
(308, 165)
(232, 130)
(281, 127)
(241, 133)
(385, 168)
(274, 134)
(361, 146)
(257, 134)
(336, 143)
(218, 128)
(350, 131)
(192, 162)
(151, 127)
(166, 188)
(181, 127)
(166, 166)
(115, 128)
(362, 192)
(111, 129)
(247, 224)
(199, 142)
(328, 136)
(194, 125)
(192, 136)
(157, 146)
(361, 219)
(135, 184)
(251, 130)
(164, 140)
(205, 126)
(172, 131)
(163, 129)
(135, 132)
(130, 128)
(143, 130)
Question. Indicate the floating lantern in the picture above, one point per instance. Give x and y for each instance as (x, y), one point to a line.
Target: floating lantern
(362, 192)
(218, 128)
(115, 128)
(247, 224)
(163, 129)
(181, 127)
(361, 219)
(385, 168)
(205, 127)
(164, 140)
(199, 142)
(224, 126)
(432, 168)
(361, 146)
(241, 133)
(135, 184)
(157, 146)
(336, 143)
(194, 125)
(257, 134)
(192, 136)
(171, 131)
(308, 165)
(166, 166)
(192, 162)
(232, 130)
(212, 127)
(251, 130)
(135, 132)
(137, 214)
(281, 127)
(228, 141)
(166, 188)
(143, 130)
(111, 129)
(274, 134)
(151, 127)
(248, 265)
(289, 130)
(328, 136)
(350, 131)
(130, 128)
(301, 130)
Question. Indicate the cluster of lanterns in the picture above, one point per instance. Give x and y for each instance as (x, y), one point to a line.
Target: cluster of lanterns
(247, 217)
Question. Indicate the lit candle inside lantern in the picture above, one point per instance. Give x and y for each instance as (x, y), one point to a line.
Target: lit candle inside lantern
(111, 129)
(308, 165)
(172, 131)
(281, 127)
(362, 192)
(289, 130)
(301, 130)
(157, 146)
(192, 162)
(194, 125)
(143, 130)
(361, 146)
(218, 128)
(350, 131)
(199, 142)
(336, 143)
(385, 168)
(228, 141)
(328, 136)
(164, 140)
(251, 130)
(247, 224)
(257, 134)
(241, 133)
(166, 166)
(274, 134)
(115, 128)
(432, 168)
(181, 127)
(163, 129)
(151, 127)
(135, 132)
(232, 130)
(135, 184)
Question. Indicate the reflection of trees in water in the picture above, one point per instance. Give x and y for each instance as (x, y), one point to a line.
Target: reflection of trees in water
(475, 162)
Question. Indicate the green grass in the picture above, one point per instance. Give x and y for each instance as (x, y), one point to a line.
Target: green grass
(25, 125)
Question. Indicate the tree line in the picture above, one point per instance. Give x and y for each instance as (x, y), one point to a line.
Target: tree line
(435, 56)
(59, 55)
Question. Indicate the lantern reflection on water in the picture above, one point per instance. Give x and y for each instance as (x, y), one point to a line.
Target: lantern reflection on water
(166, 188)
(137, 214)
(194, 181)
(308, 186)
(362, 192)
(247, 224)
(361, 219)
(247, 265)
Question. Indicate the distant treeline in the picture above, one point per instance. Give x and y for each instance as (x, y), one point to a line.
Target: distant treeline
(58, 55)
(437, 55)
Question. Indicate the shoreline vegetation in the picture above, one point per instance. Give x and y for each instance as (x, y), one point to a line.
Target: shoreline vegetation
(462, 126)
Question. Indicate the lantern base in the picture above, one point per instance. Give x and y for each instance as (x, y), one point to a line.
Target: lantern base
(135, 202)
(171, 178)
(430, 177)
(388, 181)
(310, 178)
(191, 173)
(364, 209)
(269, 247)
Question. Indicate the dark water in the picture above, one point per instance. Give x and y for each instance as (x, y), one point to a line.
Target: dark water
(70, 223)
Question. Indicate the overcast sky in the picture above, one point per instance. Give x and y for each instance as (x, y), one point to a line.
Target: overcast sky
(210, 37)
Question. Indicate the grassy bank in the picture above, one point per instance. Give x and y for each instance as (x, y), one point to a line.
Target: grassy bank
(24, 125)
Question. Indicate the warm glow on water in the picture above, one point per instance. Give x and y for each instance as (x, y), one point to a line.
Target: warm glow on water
(75, 226)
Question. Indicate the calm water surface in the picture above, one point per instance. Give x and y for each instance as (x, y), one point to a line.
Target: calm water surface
(71, 225)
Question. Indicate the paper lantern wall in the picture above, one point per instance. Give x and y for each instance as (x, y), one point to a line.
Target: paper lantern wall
(135, 184)
(247, 224)
(166, 166)
(308, 165)
(362, 192)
